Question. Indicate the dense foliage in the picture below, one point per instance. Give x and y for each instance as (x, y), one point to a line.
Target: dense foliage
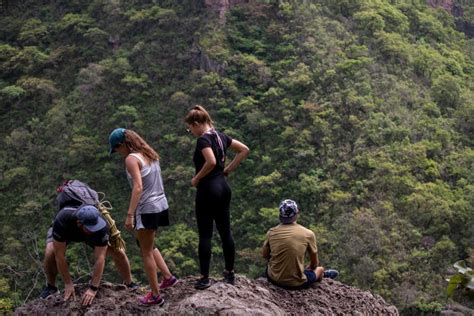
(361, 111)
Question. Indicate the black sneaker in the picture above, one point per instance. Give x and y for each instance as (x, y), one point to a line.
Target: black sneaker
(202, 283)
(229, 277)
(132, 286)
(48, 291)
(332, 274)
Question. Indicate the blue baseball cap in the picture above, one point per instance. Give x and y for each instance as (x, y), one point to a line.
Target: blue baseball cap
(89, 216)
(288, 211)
(116, 138)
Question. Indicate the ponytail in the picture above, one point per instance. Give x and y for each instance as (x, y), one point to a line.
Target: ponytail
(198, 115)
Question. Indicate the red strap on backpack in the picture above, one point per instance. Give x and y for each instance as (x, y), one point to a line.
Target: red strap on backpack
(60, 188)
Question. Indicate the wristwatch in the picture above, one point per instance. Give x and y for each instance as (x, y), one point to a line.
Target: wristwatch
(93, 288)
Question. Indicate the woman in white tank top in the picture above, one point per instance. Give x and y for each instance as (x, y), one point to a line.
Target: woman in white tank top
(148, 207)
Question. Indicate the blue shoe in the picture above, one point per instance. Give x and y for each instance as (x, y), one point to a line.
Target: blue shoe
(332, 274)
(132, 286)
(48, 291)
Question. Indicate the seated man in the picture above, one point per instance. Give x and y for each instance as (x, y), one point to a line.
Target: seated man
(285, 247)
(83, 224)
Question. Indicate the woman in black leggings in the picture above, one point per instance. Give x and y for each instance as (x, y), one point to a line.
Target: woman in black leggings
(213, 193)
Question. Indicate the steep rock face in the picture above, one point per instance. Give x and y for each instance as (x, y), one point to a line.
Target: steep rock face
(445, 4)
(222, 6)
(202, 61)
(456, 8)
(245, 297)
(448, 5)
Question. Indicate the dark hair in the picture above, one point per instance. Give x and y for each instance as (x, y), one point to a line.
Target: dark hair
(198, 115)
(135, 143)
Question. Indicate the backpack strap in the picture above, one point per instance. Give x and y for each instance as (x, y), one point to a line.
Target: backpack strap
(213, 132)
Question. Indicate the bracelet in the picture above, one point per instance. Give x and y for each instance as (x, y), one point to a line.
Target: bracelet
(131, 215)
(93, 288)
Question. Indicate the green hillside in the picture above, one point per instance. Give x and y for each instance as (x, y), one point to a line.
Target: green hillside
(360, 110)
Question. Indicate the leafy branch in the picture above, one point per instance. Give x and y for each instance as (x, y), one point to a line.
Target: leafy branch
(463, 279)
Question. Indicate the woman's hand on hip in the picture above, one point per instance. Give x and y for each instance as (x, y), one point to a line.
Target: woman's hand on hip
(195, 182)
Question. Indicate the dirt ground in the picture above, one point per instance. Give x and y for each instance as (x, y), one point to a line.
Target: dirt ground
(256, 297)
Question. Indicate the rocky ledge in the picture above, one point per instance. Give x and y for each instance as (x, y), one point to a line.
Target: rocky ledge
(247, 296)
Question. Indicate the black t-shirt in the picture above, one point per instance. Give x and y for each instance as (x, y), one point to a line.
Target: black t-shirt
(211, 139)
(65, 229)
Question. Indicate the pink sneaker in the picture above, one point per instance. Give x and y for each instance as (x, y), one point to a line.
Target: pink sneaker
(149, 299)
(168, 283)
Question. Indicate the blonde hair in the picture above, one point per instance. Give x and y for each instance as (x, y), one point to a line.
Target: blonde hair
(135, 143)
(198, 115)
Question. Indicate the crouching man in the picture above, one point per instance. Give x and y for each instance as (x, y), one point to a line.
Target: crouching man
(83, 224)
(285, 247)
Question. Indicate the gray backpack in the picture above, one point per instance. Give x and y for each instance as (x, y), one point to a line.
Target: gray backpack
(76, 193)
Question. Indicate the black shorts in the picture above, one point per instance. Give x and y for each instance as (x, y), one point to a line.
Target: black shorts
(152, 220)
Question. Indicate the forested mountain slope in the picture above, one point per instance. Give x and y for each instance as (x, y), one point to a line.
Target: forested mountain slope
(361, 111)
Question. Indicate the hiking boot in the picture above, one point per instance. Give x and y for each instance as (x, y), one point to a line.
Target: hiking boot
(48, 291)
(150, 299)
(202, 283)
(332, 274)
(168, 282)
(132, 286)
(229, 277)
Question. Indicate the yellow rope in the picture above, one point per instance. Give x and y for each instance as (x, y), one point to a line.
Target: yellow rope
(115, 239)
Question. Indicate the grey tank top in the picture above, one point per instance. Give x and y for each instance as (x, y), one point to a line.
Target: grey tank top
(153, 198)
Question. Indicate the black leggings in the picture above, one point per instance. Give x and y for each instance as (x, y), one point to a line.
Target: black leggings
(212, 204)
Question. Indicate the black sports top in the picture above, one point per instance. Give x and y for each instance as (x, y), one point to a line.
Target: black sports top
(219, 142)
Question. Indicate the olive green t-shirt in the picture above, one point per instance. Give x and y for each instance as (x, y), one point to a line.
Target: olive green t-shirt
(288, 245)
